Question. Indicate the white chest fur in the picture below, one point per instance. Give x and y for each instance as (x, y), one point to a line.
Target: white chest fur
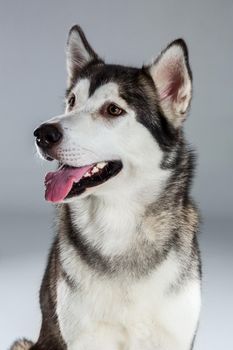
(114, 314)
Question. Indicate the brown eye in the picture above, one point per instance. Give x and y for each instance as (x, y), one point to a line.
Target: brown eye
(114, 110)
(72, 100)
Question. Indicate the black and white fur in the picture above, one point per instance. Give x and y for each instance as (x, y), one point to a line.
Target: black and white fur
(124, 269)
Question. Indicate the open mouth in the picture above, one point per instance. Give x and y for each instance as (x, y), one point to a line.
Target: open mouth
(68, 181)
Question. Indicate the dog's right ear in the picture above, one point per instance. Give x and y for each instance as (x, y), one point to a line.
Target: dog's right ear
(79, 53)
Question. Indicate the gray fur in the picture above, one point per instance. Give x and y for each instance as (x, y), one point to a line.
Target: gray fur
(168, 224)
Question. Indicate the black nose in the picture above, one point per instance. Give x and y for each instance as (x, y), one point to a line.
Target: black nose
(47, 135)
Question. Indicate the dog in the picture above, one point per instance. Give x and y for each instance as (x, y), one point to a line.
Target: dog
(124, 270)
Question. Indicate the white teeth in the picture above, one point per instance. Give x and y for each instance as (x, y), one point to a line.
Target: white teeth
(94, 170)
(87, 175)
(101, 165)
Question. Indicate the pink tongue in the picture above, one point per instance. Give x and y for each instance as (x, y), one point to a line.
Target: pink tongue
(59, 183)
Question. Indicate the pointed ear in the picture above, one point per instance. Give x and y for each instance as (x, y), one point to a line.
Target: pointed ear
(172, 77)
(79, 53)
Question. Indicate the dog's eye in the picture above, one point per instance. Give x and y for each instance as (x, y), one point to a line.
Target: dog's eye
(72, 100)
(114, 110)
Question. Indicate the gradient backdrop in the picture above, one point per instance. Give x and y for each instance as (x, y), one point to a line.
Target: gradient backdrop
(32, 86)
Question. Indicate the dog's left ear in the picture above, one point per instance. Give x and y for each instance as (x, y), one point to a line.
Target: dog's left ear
(172, 77)
(79, 53)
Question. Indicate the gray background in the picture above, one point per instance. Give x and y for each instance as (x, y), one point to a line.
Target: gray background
(32, 85)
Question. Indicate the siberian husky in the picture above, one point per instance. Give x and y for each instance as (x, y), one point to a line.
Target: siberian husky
(124, 271)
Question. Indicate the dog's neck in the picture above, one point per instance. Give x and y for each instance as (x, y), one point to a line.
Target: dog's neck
(108, 223)
(113, 235)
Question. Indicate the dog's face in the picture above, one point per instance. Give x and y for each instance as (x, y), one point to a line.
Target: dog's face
(119, 123)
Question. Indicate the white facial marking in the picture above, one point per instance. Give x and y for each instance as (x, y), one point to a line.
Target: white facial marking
(81, 91)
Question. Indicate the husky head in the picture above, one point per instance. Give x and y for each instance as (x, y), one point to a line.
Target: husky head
(121, 127)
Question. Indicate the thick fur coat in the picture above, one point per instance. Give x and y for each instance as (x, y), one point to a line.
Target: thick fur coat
(124, 270)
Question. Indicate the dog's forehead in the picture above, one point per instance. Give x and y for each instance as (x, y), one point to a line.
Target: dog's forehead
(106, 91)
(96, 77)
(117, 74)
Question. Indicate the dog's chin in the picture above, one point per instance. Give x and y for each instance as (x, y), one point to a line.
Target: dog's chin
(86, 193)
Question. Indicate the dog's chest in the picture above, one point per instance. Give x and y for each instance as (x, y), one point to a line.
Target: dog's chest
(112, 312)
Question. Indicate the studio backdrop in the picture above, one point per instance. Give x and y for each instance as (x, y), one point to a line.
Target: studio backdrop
(33, 36)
